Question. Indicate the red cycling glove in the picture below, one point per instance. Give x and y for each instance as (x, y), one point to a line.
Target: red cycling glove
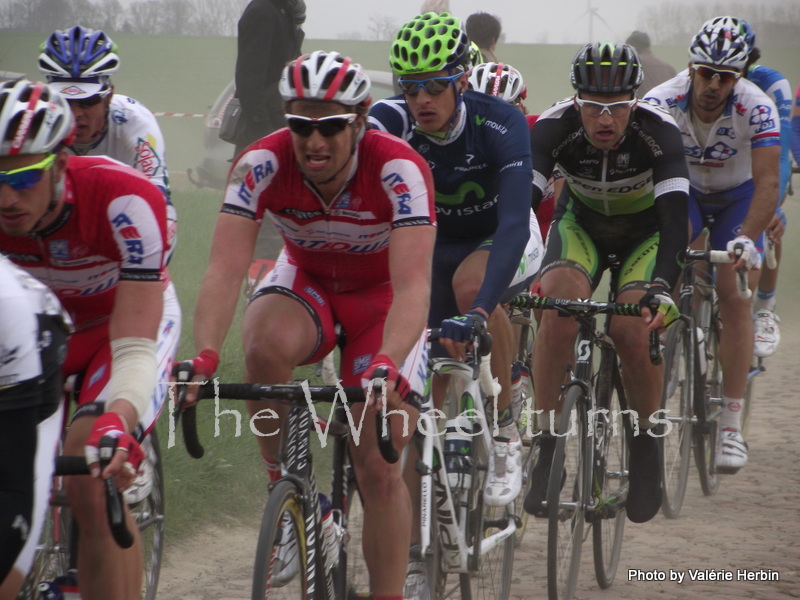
(110, 424)
(381, 361)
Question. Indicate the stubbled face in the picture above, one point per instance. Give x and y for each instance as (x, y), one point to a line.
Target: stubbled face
(320, 157)
(710, 95)
(21, 210)
(606, 129)
(434, 112)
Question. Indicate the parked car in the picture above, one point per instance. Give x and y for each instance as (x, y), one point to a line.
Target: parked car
(213, 169)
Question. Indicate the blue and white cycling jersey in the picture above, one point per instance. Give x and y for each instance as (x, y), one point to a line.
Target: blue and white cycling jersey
(777, 87)
(483, 178)
(750, 120)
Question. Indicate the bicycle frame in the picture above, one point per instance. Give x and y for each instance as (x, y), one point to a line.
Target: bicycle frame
(452, 519)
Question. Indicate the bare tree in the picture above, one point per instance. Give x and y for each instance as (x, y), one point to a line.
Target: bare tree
(381, 28)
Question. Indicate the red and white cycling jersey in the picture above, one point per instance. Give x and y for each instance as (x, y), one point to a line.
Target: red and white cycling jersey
(750, 120)
(343, 246)
(115, 232)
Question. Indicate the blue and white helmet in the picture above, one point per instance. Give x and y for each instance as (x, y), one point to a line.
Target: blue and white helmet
(720, 43)
(79, 61)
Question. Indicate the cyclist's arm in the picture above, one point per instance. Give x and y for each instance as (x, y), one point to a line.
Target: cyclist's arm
(796, 128)
(231, 248)
(542, 132)
(145, 147)
(766, 176)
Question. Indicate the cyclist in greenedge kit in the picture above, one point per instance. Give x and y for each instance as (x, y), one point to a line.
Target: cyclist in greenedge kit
(479, 153)
(626, 195)
(731, 137)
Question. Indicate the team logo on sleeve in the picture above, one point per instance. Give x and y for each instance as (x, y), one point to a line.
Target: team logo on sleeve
(401, 191)
(761, 116)
(131, 238)
(146, 160)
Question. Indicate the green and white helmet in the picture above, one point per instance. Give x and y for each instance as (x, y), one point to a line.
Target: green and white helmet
(430, 42)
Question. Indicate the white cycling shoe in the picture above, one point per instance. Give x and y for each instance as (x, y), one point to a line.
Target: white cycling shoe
(767, 335)
(504, 481)
(731, 451)
(286, 564)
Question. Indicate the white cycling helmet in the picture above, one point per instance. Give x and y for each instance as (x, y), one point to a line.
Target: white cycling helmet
(720, 44)
(498, 79)
(34, 118)
(325, 76)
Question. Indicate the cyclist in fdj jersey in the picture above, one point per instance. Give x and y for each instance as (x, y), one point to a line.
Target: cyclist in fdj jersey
(626, 195)
(776, 86)
(731, 139)
(94, 231)
(79, 62)
(479, 153)
(355, 210)
(33, 335)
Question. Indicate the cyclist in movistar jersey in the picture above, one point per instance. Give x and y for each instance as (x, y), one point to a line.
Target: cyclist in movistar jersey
(626, 195)
(731, 139)
(479, 153)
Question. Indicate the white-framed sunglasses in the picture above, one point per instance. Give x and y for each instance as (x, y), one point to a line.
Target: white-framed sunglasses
(595, 109)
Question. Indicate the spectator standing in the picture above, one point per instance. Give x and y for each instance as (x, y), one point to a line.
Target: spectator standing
(484, 30)
(655, 70)
(270, 35)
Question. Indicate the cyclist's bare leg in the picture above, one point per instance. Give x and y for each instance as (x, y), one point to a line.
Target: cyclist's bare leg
(555, 338)
(386, 535)
(11, 585)
(278, 333)
(736, 346)
(641, 378)
(106, 571)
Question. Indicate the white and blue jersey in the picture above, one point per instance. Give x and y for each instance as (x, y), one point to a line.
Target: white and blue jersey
(777, 87)
(482, 173)
(750, 120)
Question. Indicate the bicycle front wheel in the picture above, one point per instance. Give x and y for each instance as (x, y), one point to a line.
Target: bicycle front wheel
(566, 498)
(707, 408)
(280, 571)
(676, 406)
(610, 471)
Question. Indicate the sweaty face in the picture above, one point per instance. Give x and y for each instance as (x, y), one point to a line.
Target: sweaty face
(90, 117)
(604, 127)
(319, 156)
(22, 209)
(433, 111)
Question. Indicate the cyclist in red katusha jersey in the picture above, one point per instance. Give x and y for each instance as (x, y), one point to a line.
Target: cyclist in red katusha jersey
(355, 210)
(94, 231)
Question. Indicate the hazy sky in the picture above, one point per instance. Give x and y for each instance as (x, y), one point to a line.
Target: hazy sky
(524, 21)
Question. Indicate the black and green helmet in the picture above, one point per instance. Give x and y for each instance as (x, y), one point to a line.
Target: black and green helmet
(430, 42)
(623, 75)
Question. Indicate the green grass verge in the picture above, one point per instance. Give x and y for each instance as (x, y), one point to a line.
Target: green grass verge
(229, 483)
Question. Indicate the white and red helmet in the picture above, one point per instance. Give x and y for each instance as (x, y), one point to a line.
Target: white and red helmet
(498, 79)
(325, 76)
(34, 118)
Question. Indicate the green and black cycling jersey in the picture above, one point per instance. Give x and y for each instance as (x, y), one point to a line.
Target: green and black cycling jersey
(644, 173)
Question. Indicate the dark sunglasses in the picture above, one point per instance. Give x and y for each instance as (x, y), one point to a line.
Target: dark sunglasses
(89, 102)
(327, 126)
(433, 85)
(27, 177)
(708, 73)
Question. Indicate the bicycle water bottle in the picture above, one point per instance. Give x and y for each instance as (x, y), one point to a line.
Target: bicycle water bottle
(330, 531)
(63, 587)
(457, 450)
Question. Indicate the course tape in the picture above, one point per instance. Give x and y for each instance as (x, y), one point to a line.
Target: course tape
(173, 114)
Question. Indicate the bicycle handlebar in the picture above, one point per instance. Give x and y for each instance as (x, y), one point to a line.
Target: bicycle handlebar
(723, 256)
(264, 392)
(588, 308)
(115, 507)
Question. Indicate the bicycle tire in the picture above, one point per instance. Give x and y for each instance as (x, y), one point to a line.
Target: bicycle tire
(676, 398)
(530, 453)
(566, 498)
(284, 508)
(489, 576)
(351, 558)
(148, 515)
(611, 469)
(708, 394)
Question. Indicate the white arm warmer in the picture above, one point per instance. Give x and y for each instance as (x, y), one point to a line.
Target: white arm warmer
(133, 372)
